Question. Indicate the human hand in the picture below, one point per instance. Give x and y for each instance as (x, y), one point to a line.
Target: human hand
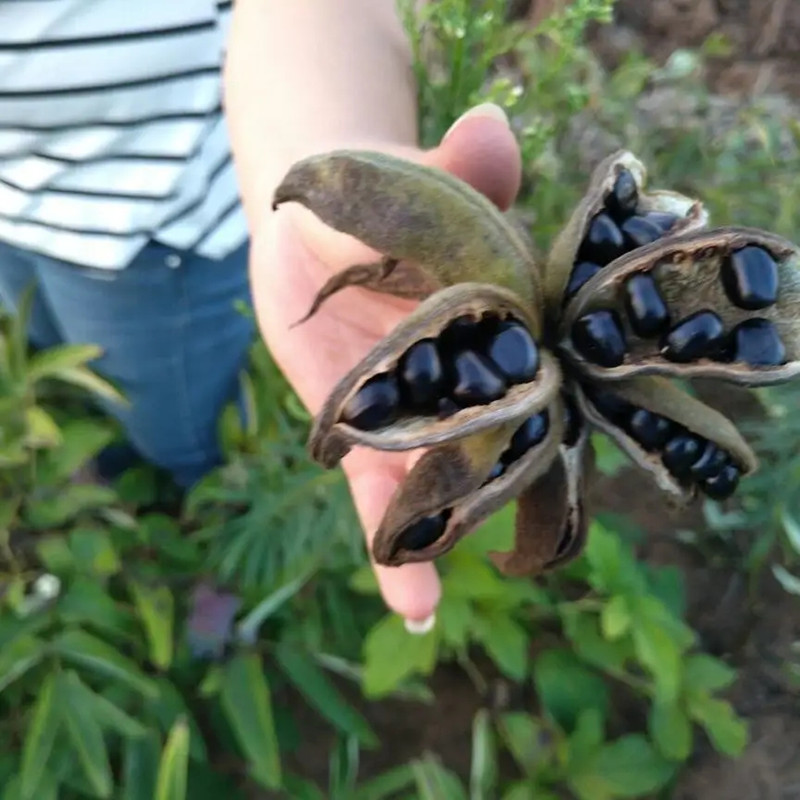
(291, 258)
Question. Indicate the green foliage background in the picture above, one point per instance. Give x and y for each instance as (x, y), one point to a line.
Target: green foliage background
(154, 648)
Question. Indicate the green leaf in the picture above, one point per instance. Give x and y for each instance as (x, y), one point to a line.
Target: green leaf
(386, 785)
(505, 641)
(94, 551)
(247, 628)
(171, 706)
(454, 617)
(42, 429)
(727, 732)
(434, 782)
(613, 568)
(53, 551)
(626, 768)
(58, 509)
(156, 609)
(82, 439)
(140, 767)
(671, 730)
(790, 582)
(391, 655)
(108, 714)
(704, 673)
(39, 739)
(87, 602)
(86, 736)
(88, 651)
(17, 657)
(322, 695)
(247, 704)
(567, 687)
(791, 528)
(47, 363)
(586, 740)
(525, 738)
(583, 631)
(483, 771)
(86, 379)
(174, 764)
(615, 619)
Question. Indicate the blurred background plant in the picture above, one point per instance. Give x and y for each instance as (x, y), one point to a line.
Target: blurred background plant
(232, 642)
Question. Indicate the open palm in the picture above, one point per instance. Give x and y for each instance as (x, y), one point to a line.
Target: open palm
(293, 259)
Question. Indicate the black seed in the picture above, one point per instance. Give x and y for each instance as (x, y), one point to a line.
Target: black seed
(624, 196)
(604, 241)
(710, 463)
(529, 434)
(446, 408)
(756, 342)
(750, 278)
(650, 430)
(722, 485)
(573, 421)
(496, 471)
(639, 231)
(700, 335)
(647, 311)
(463, 333)
(375, 404)
(611, 406)
(422, 533)
(514, 353)
(680, 452)
(475, 380)
(599, 338)
(581, 273)
(421, 375)
(663, 219)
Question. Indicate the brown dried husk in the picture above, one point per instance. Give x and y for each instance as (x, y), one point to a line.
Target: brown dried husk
(686, 270)
(331, 438)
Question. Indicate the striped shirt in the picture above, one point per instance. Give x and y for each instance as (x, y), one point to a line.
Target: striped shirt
(111, 129)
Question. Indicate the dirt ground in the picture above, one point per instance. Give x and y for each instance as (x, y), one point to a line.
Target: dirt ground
(754, 631)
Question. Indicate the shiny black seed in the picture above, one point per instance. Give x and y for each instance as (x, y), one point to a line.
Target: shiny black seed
(375, 404)
(710, 462)
(422, 533)
(475, 380)
(446, 408)
(422, 379)
(750, 278)
(581, 273)
(650, 430)
(639, 231)
(463, 333)
(647, 311)
(680, 452)
(529, 434)
(604, 241)
(723, 484)
(756, 342)
(573, 421)
(496, 471)
(700, 335)
(624, 196)
(599, 338)
(514, 353)
(663, 219)
(611, 406)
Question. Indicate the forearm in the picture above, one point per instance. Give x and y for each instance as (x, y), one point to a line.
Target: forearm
(304, 76)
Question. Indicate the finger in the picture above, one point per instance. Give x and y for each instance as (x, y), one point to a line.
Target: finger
(412, 590)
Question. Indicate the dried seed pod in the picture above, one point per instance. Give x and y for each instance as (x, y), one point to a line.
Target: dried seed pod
(453, 482)
(409, 212)
(612, 407)
(706, 339)
(332, 436)
(618, 215)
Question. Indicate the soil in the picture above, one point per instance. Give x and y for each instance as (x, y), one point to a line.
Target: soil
(754, 628)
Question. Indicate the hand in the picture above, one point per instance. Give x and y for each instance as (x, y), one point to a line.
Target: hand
(290, 260)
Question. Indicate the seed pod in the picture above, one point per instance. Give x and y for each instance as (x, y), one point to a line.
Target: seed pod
(551, 523)
(603, 197)
(663, 398)
(332, 437)
(692, 275)
(451, 482)
(409, 212)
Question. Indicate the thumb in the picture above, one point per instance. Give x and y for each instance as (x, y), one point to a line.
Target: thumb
(480, 148)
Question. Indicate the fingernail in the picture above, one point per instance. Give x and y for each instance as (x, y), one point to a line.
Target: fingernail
(419, 627)
(490, 110)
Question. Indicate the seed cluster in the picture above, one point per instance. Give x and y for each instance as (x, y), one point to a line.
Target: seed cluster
(688, 457)
(426, 531)
(616, 230)
(472, 362)
(750, 279)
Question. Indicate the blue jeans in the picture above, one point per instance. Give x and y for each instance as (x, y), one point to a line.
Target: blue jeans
(172, 340)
